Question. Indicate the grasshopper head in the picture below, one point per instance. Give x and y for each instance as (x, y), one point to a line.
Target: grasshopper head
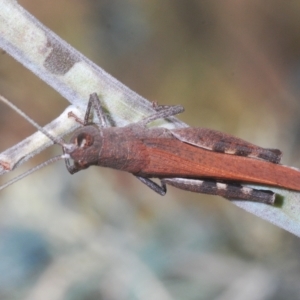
(84, 147)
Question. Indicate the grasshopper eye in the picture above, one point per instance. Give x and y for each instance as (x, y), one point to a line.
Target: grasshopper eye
(84, 140)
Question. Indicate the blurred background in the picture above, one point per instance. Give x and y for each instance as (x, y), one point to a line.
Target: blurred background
(101, 234)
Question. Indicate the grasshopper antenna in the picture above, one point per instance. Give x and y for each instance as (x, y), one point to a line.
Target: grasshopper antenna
(40, 166)
(32, 122)
(55, 140)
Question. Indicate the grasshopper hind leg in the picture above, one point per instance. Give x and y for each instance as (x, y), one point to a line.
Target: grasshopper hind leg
(271, 155)
(227, 190)
(230, 191)
(224, 143)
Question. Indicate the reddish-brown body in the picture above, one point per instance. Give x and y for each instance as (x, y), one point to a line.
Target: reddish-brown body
(158, 153)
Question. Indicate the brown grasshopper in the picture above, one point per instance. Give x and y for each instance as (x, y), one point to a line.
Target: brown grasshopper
(193, 159)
